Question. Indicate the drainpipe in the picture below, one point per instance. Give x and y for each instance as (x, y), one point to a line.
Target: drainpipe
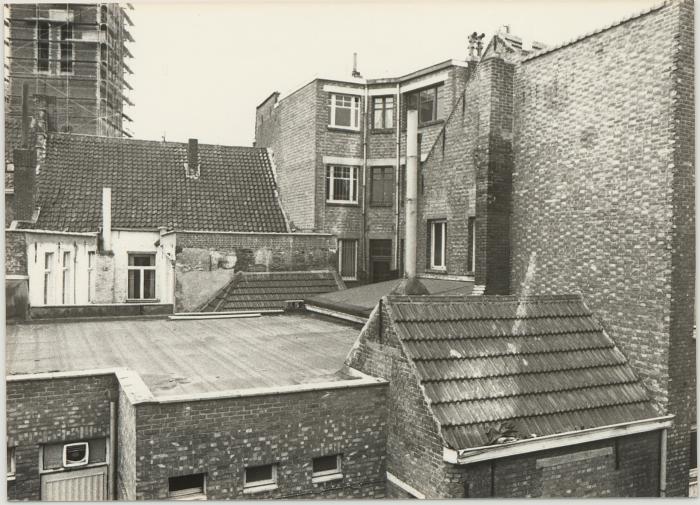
(112, 450)
(662, 463)
(411, 192)
(397, 202)
(365, 259)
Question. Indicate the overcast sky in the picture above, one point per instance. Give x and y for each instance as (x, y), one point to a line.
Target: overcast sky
(201, 69)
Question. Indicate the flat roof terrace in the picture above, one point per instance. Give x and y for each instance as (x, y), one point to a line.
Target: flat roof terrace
(186, 357)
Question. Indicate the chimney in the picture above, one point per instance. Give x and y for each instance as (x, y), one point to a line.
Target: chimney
(106, 219)
(192, 165)
(411, 285)
(355, 73)
(25, 183)
(25, 115)
(476, 46)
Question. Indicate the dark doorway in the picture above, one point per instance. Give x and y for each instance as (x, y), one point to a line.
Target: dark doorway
(380, 260)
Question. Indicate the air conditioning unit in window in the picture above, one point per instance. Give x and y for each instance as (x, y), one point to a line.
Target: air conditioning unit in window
(76, 454)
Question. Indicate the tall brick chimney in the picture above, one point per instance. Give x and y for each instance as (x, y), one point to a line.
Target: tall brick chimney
(494, 169)
(192, 165)
(25, 184)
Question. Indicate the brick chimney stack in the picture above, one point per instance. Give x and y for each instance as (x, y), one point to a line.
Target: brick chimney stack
(192, 166)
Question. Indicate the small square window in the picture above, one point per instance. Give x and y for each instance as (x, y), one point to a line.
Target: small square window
(260, 478)
(186, 487)
(75, 454)
(327, 468)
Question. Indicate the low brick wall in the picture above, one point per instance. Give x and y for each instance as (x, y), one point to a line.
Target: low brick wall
(206, 262)
(107, 310)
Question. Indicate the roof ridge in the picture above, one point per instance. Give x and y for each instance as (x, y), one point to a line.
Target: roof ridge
(554, 412)
(470, 337)
(634, 380)
(146, 141)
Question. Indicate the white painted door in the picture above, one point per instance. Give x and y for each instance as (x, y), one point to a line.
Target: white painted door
(88, 484)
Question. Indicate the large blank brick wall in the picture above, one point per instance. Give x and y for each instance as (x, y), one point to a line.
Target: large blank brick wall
(602, 196)
(52, 410)
(221, 437)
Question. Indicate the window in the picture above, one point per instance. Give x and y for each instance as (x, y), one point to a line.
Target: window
(345, 111)
(76, 454)
(10, 463)
(91, 276)
(66, 48)
(42, 35)
(48, 278)
(94, 450)
(142, 276)
(382, 186)
(383, 112)
(426, 102)
(187, 487)
(341, 184)
(347, 259)
(260, 478)
(693, 480)
(65, 281)
(437, 239)
(326, 468)
(471, 253)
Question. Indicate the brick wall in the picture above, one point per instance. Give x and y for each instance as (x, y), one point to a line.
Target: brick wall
(221, 437)
(15, 253)
(52, 410)
(602, 196)
(623, 467)
(207, 261)
(126, 454)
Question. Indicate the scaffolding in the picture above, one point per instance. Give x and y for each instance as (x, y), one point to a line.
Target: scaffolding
(74, 54)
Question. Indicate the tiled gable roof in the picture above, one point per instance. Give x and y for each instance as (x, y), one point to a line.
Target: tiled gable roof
(271, 290)
(235, 190)
(543, 364)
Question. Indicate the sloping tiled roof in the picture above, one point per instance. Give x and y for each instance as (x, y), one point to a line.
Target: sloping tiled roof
(271, 290)
(234, 192)
(543, 364)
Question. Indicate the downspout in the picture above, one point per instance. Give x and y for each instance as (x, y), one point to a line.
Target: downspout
(411, 192)
(662, 463)
(365, 255)
(397, 199)
(112, 485)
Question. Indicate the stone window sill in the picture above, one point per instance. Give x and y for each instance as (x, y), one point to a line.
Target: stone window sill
(326, 478)
(343, 129)
(384, 131)
(342, 204)
(259, 489)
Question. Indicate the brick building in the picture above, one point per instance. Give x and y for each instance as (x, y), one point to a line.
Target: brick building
(509, 397)
(144, 416)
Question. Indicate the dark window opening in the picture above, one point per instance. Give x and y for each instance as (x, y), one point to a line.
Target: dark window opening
(382, 190)
(42, 62)
(185, 485)
(326, 465)
(66, 47)
(425, 102)
(347, 259)
(693, 450)
(260, 475)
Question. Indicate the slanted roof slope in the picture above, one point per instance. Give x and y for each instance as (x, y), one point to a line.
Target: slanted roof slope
(235, 191)
(543, 364)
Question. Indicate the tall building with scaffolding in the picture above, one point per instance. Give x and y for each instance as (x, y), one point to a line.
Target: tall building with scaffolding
(73, 56)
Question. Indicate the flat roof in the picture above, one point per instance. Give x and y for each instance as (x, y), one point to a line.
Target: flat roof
(179, 357)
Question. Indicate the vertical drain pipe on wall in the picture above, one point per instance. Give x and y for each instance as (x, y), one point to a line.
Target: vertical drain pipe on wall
(397, 199)
(365, 252)
(411, 192)
(112, 450)
(662, 463)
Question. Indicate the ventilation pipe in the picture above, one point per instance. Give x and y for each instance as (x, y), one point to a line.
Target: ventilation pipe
(411, 192)
(107, 219)
(355, 72)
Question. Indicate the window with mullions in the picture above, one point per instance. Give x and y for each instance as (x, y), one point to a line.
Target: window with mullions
(42, 36)
(426, 102)
(48, 278)
(437, 231)
(142, 276)
(345, 111)
(383, 112)
(341, 184)
(66, 48)
(65, 284)
(382, 190)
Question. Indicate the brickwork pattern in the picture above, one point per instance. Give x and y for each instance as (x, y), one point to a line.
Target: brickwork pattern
(222, 437)
(126, 454)
(53, 410)
(602, 196)
(15, 253)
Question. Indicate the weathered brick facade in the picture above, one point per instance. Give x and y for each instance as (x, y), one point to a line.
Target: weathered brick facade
(603, 196)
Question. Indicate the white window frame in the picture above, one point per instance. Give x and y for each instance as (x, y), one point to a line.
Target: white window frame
(433, 224)
(341, 241)
(129, 268)
(354, 111)
(65, 278)
(11, 469)
(83, 462)
(48, 277)
(91, 275)
(326, 475)
(472, 223)
(260, 485)
(354, 183)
